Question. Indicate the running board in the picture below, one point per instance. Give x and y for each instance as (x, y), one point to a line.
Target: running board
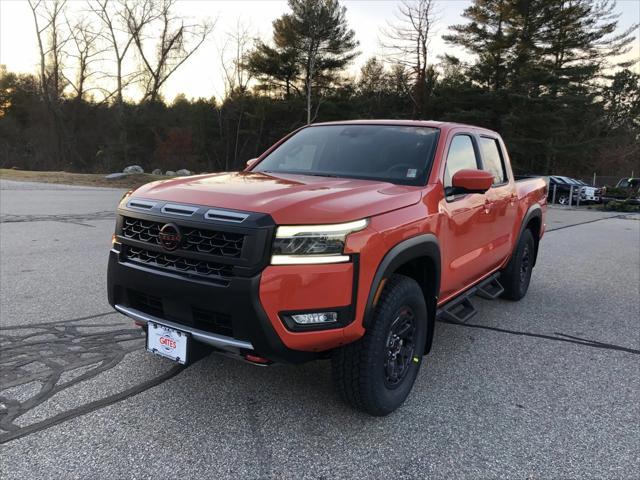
(490, 290)
(461, 310)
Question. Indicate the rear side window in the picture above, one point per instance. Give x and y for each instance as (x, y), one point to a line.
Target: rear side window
(461, 156)
(492, 159)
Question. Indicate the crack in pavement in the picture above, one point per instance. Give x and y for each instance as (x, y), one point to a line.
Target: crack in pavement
(557, 336)
(50, 358)
(91, 407)
(623, 216)
(66, 217)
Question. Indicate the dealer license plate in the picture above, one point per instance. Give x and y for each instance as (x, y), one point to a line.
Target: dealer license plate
(167, 342)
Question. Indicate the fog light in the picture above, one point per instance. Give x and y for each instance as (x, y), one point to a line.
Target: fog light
(315, 318)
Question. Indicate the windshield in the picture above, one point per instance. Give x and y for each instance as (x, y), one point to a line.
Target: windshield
(570, 181)
(628, 182)
(396, 154)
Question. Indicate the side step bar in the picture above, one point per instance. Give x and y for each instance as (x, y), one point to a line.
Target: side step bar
(490, 289)
(461, 310)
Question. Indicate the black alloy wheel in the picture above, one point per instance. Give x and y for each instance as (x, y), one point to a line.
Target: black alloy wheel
(400, 347)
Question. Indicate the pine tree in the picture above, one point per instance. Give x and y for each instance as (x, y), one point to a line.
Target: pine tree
(541, 61)
(313, 42)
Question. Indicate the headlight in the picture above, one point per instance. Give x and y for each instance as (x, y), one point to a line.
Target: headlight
(313, 243)
(125, 196)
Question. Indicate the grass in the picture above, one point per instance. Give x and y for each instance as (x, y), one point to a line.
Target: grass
(87, 179)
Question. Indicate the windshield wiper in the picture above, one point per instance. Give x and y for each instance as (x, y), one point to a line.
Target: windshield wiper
(330, 175)
(311, 174)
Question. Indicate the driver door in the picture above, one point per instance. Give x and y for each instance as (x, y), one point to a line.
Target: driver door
(466, 227)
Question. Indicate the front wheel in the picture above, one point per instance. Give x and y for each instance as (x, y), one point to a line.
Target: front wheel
(376, 373)
(515, 278)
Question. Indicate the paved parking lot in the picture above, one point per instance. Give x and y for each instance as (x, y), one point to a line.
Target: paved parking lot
(544, 388)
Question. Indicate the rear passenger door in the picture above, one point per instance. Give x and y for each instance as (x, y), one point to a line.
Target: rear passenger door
(467, 230)
(501, 200)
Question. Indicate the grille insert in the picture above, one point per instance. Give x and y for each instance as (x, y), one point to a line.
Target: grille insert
(212, 321)
(200, 318)
(146, 303)
(186, 266)
(223, 244)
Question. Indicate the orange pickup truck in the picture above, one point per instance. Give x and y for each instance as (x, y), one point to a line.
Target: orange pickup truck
(343, 241)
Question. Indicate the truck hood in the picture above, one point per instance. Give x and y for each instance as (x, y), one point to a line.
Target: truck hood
(288, 198)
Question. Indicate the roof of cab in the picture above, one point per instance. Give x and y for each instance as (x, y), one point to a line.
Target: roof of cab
(407, 123)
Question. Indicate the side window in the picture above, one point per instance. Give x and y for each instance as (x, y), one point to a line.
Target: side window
(461, 155)
(492, 159)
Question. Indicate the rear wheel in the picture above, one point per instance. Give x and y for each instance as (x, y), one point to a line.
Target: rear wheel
(376, 373)
(516, 277)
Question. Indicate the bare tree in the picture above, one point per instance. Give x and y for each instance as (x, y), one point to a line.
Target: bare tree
(51, 38)
(118, 19)
(177, 42)
(406, 42)
(85, 53)
(234, 54)
(47, 18)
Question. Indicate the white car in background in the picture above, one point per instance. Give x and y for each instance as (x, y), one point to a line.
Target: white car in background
(589, 193)
(583, 190)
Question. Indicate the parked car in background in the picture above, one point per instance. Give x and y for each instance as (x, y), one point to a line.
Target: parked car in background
(589, 193)
(559, 190)
(627, 189)
(570, 190)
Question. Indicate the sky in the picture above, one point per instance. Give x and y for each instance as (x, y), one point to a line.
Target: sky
(201, 75)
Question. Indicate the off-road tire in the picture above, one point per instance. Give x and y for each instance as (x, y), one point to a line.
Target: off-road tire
(515, 278)
(361, 369)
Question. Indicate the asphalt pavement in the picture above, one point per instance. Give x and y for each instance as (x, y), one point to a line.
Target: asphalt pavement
(547, 387)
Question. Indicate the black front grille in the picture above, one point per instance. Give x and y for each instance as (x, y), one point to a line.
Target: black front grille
(181, 265)
(223, 244)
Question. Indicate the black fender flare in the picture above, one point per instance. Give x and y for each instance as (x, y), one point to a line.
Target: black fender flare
(534, 211)
(425, 245)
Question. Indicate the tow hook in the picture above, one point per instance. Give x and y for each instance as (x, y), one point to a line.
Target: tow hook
(257, 360)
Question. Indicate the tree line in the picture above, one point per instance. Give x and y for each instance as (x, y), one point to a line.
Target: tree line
(546, 74)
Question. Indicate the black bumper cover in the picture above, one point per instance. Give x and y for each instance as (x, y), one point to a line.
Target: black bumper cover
(239, 300)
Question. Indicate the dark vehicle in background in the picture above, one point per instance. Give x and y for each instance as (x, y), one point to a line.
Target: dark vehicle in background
(626, 190)
(570, 190)
(559, 190)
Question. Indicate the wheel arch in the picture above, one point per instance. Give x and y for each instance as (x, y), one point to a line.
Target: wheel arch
(532, 221)
(418, 258)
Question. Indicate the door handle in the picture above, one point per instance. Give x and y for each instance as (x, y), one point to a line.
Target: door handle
(487, 206)
(513, 198)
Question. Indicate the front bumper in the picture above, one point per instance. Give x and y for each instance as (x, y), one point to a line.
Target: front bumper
(243, 316)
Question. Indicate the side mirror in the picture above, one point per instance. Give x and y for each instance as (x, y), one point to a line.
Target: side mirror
(471, 181)
(250, 162)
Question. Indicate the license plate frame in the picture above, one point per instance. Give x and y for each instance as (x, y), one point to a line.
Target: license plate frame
(168, 342)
